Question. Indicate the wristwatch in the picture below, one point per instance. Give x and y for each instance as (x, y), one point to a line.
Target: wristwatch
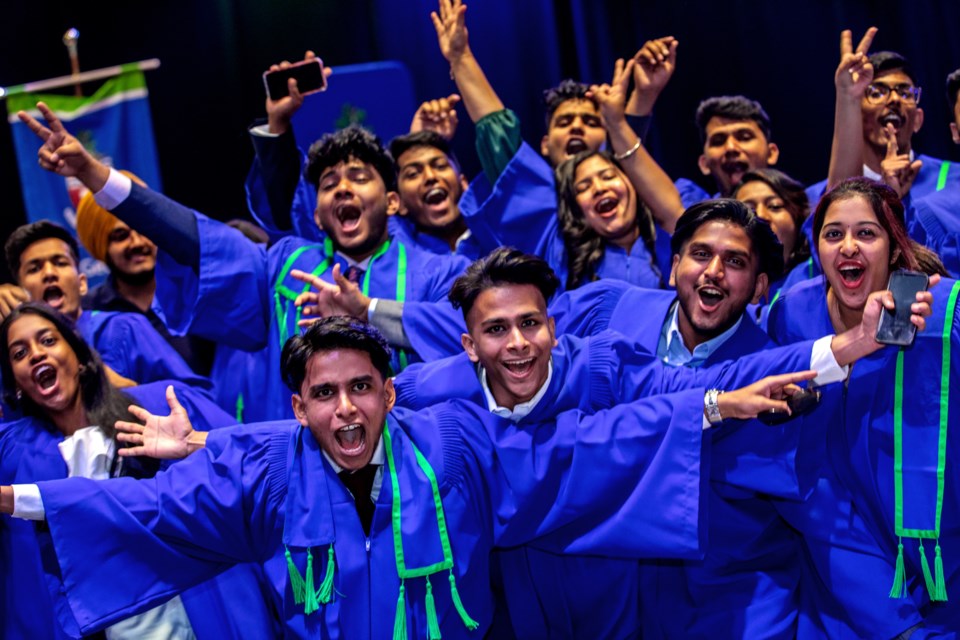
(711, 407)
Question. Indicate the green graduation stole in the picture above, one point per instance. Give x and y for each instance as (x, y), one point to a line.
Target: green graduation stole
(406, 573)
(284, 296)
(935, 583)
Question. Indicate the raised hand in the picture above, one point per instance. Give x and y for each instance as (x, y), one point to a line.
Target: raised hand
(11, 297)
(439, 116)
(896, 168)
(654, 65)
(611, 97)
(767, 394)
(854, 73)
(165, 437)
(62, 153)
(280, 112)
(341, 298)
(451, 25)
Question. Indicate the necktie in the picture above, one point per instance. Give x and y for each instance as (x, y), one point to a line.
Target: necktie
(360, 483)
(354, 274)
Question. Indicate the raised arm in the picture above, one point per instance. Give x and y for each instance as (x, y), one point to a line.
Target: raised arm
(478, 95)
(653, 67)
(852, 77)
(438, 115)
(651, 182)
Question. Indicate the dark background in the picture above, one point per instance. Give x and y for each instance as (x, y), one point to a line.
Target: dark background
(208, 89)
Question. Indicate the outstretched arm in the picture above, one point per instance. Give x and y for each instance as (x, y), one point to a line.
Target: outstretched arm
(653, 67)
(651, 182)
(478, 95)
(852, 77)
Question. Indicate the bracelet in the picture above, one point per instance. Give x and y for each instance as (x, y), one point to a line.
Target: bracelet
(629, 152)
(711, 407)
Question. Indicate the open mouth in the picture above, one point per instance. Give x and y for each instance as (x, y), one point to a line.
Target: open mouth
(519, 367)
(710, 297)
(575, 146)
(851, 275)
(53, 296)
(45, 376)
(351, 438)
(606, 205)
(734, 167)
(348, 215)
(892, 118)
(435, 196)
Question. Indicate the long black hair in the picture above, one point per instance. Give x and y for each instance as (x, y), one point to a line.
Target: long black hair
(796, 202)
(104, 403)
(585, 247)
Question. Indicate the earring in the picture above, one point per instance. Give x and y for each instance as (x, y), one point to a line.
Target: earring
(82, 369)
(19, 394)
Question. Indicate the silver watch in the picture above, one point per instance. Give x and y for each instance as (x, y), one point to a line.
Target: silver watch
(711, 407)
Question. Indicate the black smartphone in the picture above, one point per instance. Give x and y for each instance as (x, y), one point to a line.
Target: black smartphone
(800, 403)
(895, 326)
(308, 74)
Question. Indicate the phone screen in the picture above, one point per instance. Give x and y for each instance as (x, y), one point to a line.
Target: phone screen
(309, 76)
(895, 326)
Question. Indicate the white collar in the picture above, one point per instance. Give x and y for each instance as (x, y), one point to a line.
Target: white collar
(377, 459)
(88, 453)
(521, 410)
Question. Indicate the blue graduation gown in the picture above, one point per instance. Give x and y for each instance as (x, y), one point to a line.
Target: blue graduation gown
(129, 345)
(849, 569)
(229, 607)
(520, 210)
(624, 482)
(242, 295)
(938, 217)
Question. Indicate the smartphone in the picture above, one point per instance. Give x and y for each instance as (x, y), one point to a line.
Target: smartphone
(800, 403)
(308, 73)
(895, 326)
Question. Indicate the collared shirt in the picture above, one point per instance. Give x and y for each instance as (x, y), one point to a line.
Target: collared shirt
(673, 352)
(379, 454)
(520, 411)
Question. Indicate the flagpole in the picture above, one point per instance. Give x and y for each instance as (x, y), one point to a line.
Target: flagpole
(70, 40)
(66, 81)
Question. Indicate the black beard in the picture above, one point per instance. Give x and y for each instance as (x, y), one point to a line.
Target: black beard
(132, 279)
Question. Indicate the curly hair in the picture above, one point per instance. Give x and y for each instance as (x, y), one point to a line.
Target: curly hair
(350, 143)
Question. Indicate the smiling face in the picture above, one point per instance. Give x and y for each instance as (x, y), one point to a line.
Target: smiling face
(130, 253)
(45, 367)
(49, 273)
(352, 207)
(574, 127)
(733, 147)
(855, 252)
(430, 188)
(716, 276)
(771, 207)
(607, 200)
(511, 337)
(344, 401)
(906, 117)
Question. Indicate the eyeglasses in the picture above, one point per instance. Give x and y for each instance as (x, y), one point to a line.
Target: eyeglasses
(879, 93)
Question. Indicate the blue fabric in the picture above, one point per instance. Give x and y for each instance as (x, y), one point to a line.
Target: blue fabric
(129, 345)
(938, 217)
(850, 543)
(232, 298)
(520, 210)
(228, 607)
(266, 484)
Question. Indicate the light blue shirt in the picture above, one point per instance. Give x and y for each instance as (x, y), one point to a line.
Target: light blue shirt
(674, 353)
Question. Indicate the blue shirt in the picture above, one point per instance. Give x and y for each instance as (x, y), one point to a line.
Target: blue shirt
(674, 352)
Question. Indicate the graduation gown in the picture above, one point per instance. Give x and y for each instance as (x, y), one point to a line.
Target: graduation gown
(129, 345)
(242, 294)
(624, 483)
(520, 210)
(849, 523)
(230, 607)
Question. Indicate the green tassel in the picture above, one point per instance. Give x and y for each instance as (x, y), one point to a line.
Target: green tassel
(433, 625)
(927, 576)
(468, 622)
(400, 620)
(941, 595)
(899, 588)
(296, 581)
(310, 603)
(326, 587)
